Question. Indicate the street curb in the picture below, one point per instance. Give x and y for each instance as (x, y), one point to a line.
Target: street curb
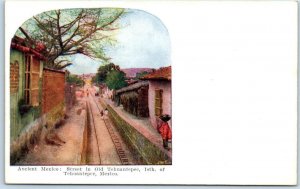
(84, 140)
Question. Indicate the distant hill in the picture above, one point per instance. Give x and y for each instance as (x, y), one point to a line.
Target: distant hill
(85, 76)
(131, 72)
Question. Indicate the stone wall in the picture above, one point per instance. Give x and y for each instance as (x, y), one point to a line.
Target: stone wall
(143, 150)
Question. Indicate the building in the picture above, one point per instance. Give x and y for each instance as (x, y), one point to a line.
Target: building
(36, 96)
(159, 94)
(105, 92)
(26, 66)
(134, 98)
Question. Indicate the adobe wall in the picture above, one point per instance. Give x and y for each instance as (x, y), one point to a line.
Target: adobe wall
(18, 122)
(166, 102)
(53, 89)
(25, 129)
(53, 96)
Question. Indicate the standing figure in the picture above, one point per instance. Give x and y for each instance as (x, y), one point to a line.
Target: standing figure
(164, 130)
(101, 114)
(105, 113)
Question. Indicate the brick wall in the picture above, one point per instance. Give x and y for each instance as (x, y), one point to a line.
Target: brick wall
(14, 77)
(53, 89)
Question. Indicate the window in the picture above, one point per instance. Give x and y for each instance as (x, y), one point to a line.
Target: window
(158, 102)
(32, 73)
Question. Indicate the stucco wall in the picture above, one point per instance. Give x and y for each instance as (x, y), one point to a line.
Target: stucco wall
(24, 129)
(16, 57)
(19, 123)
(166, 102)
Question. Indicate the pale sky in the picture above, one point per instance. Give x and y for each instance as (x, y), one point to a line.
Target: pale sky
(143, 41)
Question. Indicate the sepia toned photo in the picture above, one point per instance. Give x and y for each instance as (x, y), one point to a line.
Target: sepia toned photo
(91, 87)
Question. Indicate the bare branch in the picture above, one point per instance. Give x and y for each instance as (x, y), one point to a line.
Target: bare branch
(26, 35)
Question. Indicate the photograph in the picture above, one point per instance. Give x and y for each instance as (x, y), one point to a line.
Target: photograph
(122, 92)
(91, 87)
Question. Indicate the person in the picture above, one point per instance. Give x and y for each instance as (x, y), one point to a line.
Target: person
(164, 130)
(101, 114)
(105, 113)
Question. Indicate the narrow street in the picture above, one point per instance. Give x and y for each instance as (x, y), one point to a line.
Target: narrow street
(102, 146)
(105, 145)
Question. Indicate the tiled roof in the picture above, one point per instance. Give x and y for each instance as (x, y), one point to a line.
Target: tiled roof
(19, 44)
(133, 87)
(163, 73)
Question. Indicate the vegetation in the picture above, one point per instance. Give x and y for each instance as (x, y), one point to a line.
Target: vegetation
(58, 34)
(23, 107)
(75, 80)
(111, 75)
(115, 80)
(103, 71)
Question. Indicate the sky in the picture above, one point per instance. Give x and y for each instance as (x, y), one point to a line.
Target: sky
(143, 42)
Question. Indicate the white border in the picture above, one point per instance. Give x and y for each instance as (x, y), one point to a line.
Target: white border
(231, 136)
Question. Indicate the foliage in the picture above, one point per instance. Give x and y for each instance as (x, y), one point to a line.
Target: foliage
(103, 71)
(23, 107)
(71, 31)
(115, 80)
(74, 79)
(110, 74)
(141, 74)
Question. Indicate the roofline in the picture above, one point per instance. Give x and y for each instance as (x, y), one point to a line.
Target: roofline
(132, 87)
(157, 78)
(27, 50)
(53, 70)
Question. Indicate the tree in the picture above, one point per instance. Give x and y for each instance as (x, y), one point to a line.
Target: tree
(71, 31)
(115, 80)
(103, 71)
(74, 79)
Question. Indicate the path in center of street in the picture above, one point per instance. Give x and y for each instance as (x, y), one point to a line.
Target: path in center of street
(101, 147)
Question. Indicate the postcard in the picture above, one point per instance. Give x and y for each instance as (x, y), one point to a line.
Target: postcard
(151, 92)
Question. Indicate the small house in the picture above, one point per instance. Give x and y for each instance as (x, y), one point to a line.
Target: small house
(26, 67)
(134, 98)
(159, 94)
(37, 96)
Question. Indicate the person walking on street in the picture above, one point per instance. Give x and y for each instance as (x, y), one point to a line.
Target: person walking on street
(164, 130)
(101, 114)
(105, 113)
